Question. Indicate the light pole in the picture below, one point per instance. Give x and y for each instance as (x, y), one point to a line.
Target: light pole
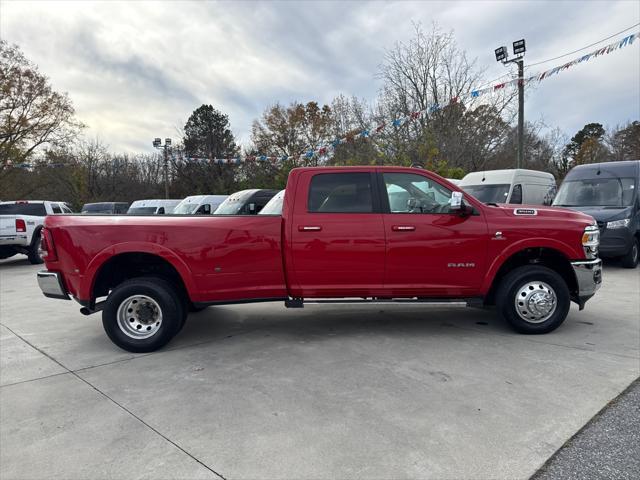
(157, 143)
(502, 55)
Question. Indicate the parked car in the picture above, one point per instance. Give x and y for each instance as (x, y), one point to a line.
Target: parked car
(152, 207)
(455, 181)
(337, 238)
(516, 186)
(199, 205)
(609, 193)
(274, 206)
(20, 226)
(113, 208)
(245, 202)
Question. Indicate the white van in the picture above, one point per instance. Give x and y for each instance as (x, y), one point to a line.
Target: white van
(199, 205)
(152, 207)
(516, 186)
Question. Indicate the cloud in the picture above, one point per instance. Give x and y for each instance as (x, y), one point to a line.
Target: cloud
(136, 70)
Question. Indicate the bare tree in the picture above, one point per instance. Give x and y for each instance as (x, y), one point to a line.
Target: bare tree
(32, 114)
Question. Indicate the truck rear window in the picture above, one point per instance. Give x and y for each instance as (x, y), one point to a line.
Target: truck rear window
(341, 193)
(35, 209)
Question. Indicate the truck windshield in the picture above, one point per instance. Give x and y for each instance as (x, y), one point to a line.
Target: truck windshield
(233, 204)
(35, 209)
(596, 192)
(274, 206)
(98, 208)
(496, 193)
(185, 208)
(142, 211)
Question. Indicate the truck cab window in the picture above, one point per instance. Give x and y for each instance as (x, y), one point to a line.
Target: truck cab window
(340, 193)
(55, 208)
(516, 194)
(410, 193)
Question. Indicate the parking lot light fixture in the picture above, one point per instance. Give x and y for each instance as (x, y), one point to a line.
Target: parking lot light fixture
(502, 55)
(157, 143)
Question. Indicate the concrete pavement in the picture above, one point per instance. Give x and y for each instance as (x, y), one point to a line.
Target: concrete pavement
(259, 391)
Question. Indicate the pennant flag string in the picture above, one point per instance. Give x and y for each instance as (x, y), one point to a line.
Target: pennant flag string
(325, 150)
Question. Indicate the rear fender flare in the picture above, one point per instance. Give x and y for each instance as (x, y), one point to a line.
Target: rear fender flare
(135, 247)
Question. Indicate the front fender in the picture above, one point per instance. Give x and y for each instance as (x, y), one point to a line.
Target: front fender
(566, 250)
(133, 247)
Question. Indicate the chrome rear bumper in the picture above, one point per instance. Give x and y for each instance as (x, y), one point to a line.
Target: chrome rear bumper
(51, 285)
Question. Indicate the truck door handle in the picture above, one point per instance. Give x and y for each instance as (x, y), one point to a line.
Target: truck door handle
(309, 228)
(403, 228)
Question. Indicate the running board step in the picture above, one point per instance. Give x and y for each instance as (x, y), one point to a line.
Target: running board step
(300, 302)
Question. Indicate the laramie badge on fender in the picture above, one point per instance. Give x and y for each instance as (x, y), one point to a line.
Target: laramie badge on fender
(461, 265)
(525, 211)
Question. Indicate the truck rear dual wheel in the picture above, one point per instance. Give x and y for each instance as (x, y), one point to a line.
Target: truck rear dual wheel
(34, 250)
(533, 299)
(143, 314)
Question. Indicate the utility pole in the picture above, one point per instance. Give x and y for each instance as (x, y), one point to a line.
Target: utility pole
(502, 55)
(157, 143)
(520, 114)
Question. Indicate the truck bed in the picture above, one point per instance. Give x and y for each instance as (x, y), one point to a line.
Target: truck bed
(221, 258)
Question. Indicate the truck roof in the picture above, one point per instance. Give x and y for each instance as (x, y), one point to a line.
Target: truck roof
(505, 176)
(626, 168)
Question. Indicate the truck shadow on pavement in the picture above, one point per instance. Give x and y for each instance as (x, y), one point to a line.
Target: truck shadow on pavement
(323, 323)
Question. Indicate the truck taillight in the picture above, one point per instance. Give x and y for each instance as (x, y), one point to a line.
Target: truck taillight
(20, 225)
(48, 252)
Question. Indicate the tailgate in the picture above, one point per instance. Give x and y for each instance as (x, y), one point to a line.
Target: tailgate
(7, 225)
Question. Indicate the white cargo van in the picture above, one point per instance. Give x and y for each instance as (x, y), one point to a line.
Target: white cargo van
(516, 186)
(152, 207)
(199, 204)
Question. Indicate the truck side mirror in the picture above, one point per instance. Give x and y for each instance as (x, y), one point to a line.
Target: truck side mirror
(456, 201)
(457, 205)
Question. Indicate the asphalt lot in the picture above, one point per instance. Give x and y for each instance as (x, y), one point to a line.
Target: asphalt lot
(607, 447)
(259, 391)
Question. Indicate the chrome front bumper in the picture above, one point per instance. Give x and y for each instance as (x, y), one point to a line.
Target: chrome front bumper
(589, 277)
(51, 285)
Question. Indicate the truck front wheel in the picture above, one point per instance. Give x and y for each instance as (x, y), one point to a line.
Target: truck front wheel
(533, 299)
(630, 260)
(142, 314)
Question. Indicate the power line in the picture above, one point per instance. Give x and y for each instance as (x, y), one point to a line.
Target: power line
(508, 74)
(583, 48)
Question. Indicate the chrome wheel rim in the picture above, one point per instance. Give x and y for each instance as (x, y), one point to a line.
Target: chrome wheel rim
(535, 302)
(139, 317)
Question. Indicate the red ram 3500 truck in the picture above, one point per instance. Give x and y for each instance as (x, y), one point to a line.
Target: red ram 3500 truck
(372, 233)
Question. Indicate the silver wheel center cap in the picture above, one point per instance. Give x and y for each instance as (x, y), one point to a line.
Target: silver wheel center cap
(139, 317)
(535, 302)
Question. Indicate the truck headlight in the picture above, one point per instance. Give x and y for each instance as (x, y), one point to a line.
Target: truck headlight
(591, 241)
(619, 223)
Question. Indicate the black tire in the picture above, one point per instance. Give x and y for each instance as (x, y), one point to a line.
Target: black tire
(630, 260)
(166, 299)
(34, 250)
(521, 280)
(6, 252)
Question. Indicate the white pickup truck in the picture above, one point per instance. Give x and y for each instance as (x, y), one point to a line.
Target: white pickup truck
(20, 225)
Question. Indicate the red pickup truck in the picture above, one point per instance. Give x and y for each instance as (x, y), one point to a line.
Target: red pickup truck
(373, 234)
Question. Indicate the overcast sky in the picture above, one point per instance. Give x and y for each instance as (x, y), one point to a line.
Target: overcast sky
(136, 70)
